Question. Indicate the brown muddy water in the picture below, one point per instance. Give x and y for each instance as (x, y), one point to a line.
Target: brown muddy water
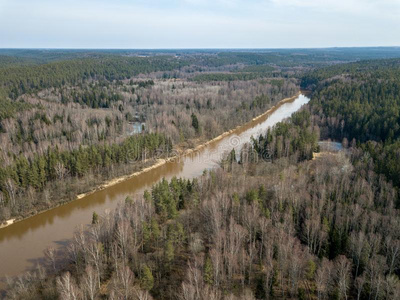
(22, 244)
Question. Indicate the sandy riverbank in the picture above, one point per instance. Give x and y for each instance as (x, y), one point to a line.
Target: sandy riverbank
(160, 162)
(7, 223)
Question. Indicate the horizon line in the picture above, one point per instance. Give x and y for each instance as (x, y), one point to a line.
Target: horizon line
(198, 48)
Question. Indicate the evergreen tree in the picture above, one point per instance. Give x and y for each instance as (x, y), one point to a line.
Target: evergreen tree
(208, 271)
(169, 252)
(146, 278)
(195, 123)
(95, 218)
(155, 229)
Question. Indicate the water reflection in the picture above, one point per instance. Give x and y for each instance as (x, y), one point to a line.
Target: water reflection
(22, 244)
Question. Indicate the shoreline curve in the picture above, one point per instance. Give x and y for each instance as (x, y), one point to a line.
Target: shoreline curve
(158, 163)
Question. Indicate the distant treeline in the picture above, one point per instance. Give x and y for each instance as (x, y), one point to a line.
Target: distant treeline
(244, 76)
(15, 81)
(227, 76)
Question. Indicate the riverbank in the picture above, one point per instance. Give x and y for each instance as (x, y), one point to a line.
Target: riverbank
(7, 223)
(161, 162)
(157, 163)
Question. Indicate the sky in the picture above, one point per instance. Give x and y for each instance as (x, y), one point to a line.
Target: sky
(154, 24)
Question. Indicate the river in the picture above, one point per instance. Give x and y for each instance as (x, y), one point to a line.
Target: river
(22, 244)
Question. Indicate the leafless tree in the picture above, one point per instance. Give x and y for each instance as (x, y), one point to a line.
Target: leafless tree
(11, 190)
(359, 285)
(67, 288)
(90, 283)
(142, 295)
(60, 170)
(50, 255)
(358, 243)
(392, 249)
(392, 287)
(376, 267)
(123, 231)
(343, 266)
(95, 253)
(323, 278)
(123, 281)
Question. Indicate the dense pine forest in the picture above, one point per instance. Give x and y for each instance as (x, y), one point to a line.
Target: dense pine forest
(283, 219)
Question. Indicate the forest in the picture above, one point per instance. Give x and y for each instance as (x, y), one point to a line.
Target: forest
(287, 220)
(66, 119)
(359, 103)
(276, 226)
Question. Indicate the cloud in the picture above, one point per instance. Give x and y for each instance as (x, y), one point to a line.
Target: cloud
(377, 8)
(195, 23)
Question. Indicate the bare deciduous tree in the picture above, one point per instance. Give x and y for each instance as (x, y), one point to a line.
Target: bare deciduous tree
(90, 283)
(67, 288)
(343, 267)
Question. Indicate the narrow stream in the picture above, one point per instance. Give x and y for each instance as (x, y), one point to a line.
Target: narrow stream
(23, 243)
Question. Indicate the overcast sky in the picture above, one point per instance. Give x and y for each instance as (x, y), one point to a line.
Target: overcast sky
(198, 23)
